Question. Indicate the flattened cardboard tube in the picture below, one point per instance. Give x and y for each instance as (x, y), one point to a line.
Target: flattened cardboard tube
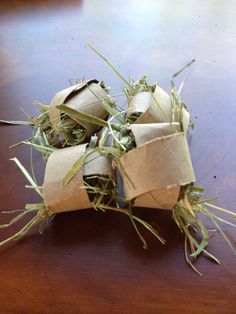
(162, 198)
(162, 163)
(144, 133)
(155, 107)
(72, 196)
(85, 97)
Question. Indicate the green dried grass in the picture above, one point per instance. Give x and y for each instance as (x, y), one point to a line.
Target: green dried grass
(185, 214)
(132, 87)
(190, 202)
(103, 190)
(67, 132)
(42, 214)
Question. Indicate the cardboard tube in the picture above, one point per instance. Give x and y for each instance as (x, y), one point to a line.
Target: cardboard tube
(159, 164)
(85, 97)
(162, 198)
(155, 108)
(72, 196)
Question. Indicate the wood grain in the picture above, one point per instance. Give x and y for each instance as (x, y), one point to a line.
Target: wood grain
(88, 262)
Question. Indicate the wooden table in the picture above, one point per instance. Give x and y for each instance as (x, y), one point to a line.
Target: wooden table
(88, 262)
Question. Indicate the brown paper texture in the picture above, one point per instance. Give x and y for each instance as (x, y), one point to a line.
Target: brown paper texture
(155, 108)
(69, 197)
(144, 133)
(152, 105)
(97, 164)
(161, 163)
(163, 198)
(82, 98)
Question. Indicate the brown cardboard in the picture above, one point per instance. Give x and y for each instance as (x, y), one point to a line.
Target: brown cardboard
(144, 133)
(158, 164)
(155, 108)
(162, 198)
(96, 164)
(72, 196)
(85, 97)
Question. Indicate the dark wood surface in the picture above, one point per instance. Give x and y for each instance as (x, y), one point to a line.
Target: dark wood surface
(88, 262)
